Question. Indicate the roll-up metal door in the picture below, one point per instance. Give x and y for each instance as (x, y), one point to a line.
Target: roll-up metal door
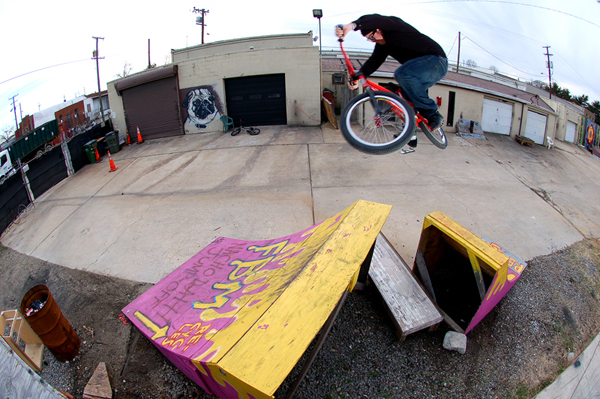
(571, 129)
(151, 102)
(497, 117)
(536, 127)
(257, 100)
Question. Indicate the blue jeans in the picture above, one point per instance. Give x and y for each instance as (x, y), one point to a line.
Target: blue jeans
(416, 76)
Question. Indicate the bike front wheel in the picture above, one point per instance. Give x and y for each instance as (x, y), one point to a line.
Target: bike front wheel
(374, 133)
(436, 136)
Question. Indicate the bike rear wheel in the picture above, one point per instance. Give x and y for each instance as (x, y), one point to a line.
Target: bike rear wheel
(236, 131)
(437, 136)
(378, 134)
(253, 131)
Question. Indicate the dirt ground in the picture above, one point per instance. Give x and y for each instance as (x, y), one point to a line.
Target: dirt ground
(518, 349)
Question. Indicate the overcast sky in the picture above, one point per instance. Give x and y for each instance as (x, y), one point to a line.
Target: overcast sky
(50, 43)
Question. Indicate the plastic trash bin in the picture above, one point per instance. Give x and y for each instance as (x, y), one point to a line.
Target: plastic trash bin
(112, 140)
(90, 150)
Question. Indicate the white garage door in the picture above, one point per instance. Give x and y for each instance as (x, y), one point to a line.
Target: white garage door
(536, 127)
(497, 117)
(571, 129)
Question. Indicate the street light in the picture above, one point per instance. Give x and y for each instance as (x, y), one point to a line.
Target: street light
(318, 14)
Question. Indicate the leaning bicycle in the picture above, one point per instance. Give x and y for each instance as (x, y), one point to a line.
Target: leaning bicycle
(380, 121)
(250, 130)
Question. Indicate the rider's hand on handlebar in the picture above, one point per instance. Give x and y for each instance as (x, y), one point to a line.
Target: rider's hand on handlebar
(342, 30)
(352, 82)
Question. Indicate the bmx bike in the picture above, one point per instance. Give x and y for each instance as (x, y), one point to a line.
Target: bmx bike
(380, 121)
(250, 130)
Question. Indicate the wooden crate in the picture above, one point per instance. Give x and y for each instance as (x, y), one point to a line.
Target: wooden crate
(465, 275)
(524, 140)
(22, 339)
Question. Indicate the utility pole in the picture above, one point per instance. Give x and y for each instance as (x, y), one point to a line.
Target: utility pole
(458, 60)
(98, 73)
(14, 109)
(550, 66)
(149, 63)
(200, 19)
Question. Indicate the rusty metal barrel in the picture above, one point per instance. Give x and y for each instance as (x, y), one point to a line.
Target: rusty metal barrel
(50, 324)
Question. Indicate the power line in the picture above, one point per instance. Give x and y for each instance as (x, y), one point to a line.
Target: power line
(499, 58)
(41, 69)
(509, 2)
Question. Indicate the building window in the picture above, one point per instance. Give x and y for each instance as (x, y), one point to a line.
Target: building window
(60, 118)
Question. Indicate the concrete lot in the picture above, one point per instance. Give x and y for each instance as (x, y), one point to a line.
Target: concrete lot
(170, 197)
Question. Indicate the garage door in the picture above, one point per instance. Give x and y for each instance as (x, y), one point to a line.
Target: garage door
(497, 117)
(571, 129)
(257, 100)
(151, 102)
(536, 127)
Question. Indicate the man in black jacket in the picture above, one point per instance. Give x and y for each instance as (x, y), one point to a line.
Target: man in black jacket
(424, 62)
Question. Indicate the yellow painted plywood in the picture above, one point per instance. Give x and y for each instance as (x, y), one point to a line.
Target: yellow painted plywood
(464, 237)
(266, 354)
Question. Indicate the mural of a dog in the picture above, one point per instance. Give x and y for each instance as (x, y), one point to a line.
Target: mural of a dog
(201, 109)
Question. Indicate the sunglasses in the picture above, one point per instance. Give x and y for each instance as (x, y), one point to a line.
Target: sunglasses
(371, 36)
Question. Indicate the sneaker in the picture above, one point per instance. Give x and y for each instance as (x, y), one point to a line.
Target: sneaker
(435, 120)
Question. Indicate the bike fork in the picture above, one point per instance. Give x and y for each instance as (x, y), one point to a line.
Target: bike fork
(374, 103)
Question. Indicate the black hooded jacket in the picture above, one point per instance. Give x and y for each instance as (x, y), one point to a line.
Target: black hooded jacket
(402, 41)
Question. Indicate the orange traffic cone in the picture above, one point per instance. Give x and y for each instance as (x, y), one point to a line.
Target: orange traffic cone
(97, 155)
(140, 139)
(128, 138)
(112, 164)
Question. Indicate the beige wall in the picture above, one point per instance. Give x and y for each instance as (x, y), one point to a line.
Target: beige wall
(210, 64)
(565, 114)
(117, 115)
(293, 55)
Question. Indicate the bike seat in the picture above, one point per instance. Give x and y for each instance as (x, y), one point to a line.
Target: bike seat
(391, 86)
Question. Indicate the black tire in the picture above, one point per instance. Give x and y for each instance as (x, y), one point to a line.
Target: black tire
(253, 131)
(436, 136)
(378, 135)
(236, 131)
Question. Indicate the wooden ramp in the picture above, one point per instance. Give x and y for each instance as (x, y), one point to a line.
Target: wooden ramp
(406, 300)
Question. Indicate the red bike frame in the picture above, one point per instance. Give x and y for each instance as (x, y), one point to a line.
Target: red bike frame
(374, 86)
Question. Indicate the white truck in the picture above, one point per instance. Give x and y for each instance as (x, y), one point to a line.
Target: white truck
(6, 166)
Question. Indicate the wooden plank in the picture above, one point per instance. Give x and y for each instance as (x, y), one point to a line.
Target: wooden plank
(424, 273)
(24, 384)
(405, 298)
(477, 272)
(328, 106)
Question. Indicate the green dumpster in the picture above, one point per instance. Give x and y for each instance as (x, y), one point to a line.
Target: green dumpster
(112, 140)
(90, 150)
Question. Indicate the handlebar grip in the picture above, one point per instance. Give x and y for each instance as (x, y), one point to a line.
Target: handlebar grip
(341, 27)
